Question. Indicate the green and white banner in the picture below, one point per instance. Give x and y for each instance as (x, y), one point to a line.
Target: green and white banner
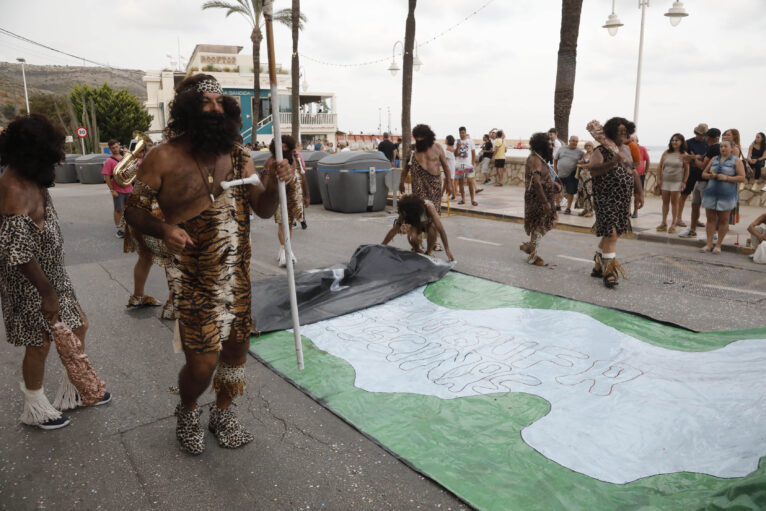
(514, 399)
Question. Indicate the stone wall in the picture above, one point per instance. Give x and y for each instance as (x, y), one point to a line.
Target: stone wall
(751, 195)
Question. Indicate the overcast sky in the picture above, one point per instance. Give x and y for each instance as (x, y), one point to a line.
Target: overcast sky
(495, 70)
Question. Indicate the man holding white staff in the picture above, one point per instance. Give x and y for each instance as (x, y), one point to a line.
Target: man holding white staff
(208, 231)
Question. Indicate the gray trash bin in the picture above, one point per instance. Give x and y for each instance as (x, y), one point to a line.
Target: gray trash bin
(259, 158)
(89, 168)
(312, 158)
(353, 181)
(66, 171)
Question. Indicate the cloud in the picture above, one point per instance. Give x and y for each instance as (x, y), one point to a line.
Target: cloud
(498, 68)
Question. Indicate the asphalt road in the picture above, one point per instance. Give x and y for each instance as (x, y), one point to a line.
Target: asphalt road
(125, 454)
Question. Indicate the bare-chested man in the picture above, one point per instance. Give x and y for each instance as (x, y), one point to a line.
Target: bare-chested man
(426, 164)
(208, 230)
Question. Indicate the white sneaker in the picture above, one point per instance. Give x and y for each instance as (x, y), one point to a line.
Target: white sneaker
(281, 257)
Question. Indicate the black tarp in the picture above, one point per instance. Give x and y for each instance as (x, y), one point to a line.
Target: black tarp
(374, 275)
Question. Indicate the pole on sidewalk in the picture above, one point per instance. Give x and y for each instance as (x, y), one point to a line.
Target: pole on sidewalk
(268, 14)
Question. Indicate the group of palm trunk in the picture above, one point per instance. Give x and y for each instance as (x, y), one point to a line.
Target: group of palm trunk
(252, 10)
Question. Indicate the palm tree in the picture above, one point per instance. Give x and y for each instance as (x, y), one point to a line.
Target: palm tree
(252, 11)
(409, 45)
(567, 63)
(295, 71)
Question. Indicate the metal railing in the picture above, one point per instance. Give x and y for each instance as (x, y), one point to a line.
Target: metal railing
(309, 119)
(263, 122)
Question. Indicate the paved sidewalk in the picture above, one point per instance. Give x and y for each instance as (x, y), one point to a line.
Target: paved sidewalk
(507, 203)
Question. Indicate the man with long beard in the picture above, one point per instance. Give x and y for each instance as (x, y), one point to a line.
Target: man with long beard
(208, 231)
(426, 164)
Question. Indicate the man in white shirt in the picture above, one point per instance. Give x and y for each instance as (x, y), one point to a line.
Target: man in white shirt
(554, 136)
(465, 155)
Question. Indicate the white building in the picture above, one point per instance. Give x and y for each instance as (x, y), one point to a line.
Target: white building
(317, 113)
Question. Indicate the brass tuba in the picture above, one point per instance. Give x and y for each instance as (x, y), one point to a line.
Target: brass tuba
(125, 171)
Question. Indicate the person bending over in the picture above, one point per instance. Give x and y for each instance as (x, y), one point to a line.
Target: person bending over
(418, 218)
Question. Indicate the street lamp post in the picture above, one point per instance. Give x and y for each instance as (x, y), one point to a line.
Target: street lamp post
(416, 62)
(24, 75)
(675, 14)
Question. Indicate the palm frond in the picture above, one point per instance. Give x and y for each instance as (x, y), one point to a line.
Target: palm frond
(285, 17)
(240, 7)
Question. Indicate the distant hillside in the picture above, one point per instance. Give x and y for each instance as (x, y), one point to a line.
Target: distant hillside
(59, 80)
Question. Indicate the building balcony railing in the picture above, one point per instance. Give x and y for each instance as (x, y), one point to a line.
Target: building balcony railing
(309, 119)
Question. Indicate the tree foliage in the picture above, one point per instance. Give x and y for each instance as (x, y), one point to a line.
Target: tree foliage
(54, 107)
(8, 110)
(117, 113)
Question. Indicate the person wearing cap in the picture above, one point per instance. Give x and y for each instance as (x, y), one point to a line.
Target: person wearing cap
(700, 149)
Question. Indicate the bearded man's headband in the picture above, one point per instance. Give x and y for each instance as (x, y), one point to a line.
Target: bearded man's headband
(209, 85)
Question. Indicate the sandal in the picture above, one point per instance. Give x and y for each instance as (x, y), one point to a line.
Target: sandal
(681, 223)
(526, 247)
(610, 273)
(662, 228)
(461, 202)
(672, 229)
(597, 272)
(142, 301)
(717, 250)
(567, 211)
(610, 279)
(474, 203)
(706, 248)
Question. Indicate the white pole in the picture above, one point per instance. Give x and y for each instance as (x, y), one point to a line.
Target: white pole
(24, 76)
(267, 14)
(82, 144)
(642, 4)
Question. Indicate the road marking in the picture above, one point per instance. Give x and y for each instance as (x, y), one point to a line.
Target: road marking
(575, 258)
(480, 241)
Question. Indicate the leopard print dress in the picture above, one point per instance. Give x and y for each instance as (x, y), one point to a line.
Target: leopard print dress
(612, 193)
(210, 280)
(21, 241)
(536, 218)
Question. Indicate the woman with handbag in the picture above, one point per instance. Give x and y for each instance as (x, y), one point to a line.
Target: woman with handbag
(723, 172)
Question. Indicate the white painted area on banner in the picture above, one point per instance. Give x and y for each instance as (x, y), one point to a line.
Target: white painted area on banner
(621, 409)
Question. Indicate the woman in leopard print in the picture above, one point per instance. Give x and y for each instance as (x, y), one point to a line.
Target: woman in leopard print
(35, 289)
(614, 182)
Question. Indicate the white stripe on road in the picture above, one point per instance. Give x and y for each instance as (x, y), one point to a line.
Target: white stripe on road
(480, 241)
(575, 258)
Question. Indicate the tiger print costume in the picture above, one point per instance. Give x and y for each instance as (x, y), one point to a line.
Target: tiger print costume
(210, 281)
